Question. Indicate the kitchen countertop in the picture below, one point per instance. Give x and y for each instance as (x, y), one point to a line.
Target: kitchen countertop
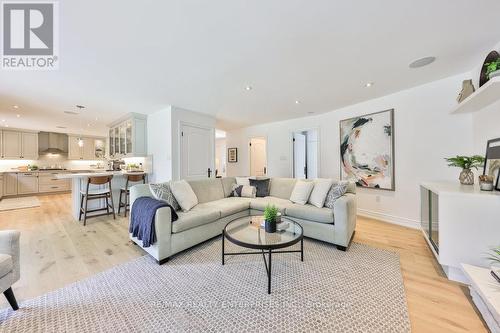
(95, 174)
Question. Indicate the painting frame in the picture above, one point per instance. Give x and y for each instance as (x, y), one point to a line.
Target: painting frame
(492, 154)
(232, 155)
(392, 187)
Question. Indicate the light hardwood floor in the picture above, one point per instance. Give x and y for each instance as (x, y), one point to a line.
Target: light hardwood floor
(56, 251)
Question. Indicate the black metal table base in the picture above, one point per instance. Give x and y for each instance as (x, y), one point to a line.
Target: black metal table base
(267, 262)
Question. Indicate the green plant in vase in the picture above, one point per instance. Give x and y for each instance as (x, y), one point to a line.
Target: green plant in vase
(492, 67)
(270, 217)
(466, 163)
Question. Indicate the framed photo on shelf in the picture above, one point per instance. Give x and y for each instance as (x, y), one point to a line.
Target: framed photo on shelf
(232, 155)
(492, 161)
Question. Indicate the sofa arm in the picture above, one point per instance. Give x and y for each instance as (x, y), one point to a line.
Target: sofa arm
(137, 191)
(9, 244)
(344, 212)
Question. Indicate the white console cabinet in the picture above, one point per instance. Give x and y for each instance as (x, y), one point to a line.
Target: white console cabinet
(460, 223)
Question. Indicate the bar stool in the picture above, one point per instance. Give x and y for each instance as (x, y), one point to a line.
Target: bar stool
(131, 178)
(105, 193)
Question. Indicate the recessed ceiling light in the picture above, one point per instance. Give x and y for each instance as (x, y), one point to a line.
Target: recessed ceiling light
(15, 106)
(369, 84)
(248, 88)
(297, 102)
(422, 62)
(62, 127)
(80, 107)
(18, 115)
(71, 112)
(310, 112)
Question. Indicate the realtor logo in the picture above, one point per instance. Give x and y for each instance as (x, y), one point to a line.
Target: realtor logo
(30, 35)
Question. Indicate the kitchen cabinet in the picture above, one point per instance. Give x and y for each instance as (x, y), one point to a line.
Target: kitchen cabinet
(92, 148)
(127, 136)
(27, 183)
(19, 145)
(48, 182)
(10, 184)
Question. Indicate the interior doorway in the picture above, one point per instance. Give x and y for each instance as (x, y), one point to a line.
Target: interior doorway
(197, 152)
(258, 156)
(305, 154)
(220, 153)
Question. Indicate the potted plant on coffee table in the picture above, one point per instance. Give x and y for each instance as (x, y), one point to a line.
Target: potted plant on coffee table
(492, 68)
(270, 217)
(495, 262)
(466, 163)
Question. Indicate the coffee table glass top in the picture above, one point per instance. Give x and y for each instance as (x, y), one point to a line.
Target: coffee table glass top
(247, 231)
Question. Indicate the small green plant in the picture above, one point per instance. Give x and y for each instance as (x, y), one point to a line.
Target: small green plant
(492, 67)
(494, 256)
(466, 162)
(270, 213)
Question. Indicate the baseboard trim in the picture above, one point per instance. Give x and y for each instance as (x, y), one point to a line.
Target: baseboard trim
(402, 221)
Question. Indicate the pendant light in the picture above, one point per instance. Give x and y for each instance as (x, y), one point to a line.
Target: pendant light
(80, 139)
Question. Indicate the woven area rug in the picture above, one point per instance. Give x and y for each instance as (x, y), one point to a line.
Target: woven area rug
(19, 203)
(360, 290)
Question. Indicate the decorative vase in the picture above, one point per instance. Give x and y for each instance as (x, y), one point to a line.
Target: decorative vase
(270, 226)
(467, 90)
(466, 177)
(486, 186)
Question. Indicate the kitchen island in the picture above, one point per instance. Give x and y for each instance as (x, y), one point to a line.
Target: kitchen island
(79, 183)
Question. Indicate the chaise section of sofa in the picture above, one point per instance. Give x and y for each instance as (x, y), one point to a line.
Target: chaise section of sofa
(216, 208)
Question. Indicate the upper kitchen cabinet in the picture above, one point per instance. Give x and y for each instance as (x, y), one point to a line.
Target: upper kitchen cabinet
(127, 136)
(19, 145)
(88, 149)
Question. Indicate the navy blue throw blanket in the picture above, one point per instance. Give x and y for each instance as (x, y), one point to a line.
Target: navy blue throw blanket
(142, 219)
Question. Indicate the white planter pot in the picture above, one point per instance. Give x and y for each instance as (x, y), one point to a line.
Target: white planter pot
(494, 74)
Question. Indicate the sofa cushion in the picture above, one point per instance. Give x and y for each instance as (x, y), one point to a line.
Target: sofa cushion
(310, 212)
(301, 192)
(262, 186)
(227, 185)
(226, 206)
(261, 203)
(337, 190)
(282, 187)
(162, 191)
(6, 264)
(209, 189)
(194, 218)
(184, 194)
(319, 192)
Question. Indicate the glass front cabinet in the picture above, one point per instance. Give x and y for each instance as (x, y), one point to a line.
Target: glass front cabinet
(127, 137)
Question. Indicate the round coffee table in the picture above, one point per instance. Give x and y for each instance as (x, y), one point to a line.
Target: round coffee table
(247, 232)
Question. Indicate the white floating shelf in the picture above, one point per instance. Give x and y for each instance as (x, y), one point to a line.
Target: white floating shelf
(488, 94)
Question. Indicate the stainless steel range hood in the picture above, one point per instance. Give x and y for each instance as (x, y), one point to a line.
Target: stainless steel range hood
(52, 143)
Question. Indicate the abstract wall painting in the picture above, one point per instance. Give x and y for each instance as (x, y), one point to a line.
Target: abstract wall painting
(367, 150)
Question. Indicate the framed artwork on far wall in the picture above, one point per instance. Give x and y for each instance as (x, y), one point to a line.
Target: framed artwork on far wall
(367, 150)
(232, 155)
(492, 161)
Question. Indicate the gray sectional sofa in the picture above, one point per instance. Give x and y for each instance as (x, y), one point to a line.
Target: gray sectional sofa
(215, 209)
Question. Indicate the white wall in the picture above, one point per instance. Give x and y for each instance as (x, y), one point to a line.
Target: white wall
(220, 156)
(425, 133)
(160, 145)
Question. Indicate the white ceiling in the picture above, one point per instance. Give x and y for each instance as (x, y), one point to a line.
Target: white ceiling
(140, 56)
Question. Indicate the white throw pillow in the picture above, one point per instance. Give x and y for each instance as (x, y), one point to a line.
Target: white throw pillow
(243, 180)
(301, 192)
(319, 192)
(184, 194)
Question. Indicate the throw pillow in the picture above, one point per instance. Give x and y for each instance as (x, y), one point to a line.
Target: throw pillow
(243, 191)
(242, 180)
(301, 192)
(336, 191)
(184, 194)
(262, 186)
(319, 192)
(162, 191)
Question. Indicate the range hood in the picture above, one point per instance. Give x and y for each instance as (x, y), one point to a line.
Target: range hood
(52, 143)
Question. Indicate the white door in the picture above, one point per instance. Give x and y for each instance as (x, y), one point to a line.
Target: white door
(299, 155)
(197, 152)
(258, 158)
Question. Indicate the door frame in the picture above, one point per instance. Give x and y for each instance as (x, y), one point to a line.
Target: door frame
(249, 140)
(318, 147)
(212, 146)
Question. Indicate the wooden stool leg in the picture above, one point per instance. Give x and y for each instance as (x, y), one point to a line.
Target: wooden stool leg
(112, 203)
(81, 207)
(126, 203)
(85, 211)
(107, 205)
(120, 202)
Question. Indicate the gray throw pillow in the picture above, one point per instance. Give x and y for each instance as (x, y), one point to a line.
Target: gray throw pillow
(336, 191)
(262, 186)
(163, 192)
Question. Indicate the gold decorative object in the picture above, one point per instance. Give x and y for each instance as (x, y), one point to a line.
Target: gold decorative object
(467, 90)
